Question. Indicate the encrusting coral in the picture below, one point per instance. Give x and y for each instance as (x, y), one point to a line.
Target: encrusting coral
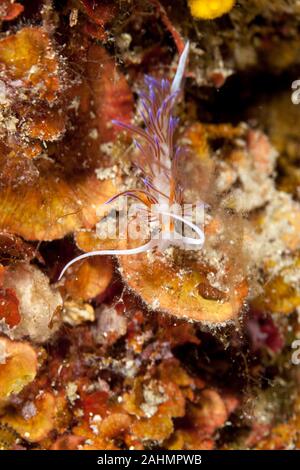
(184, 337)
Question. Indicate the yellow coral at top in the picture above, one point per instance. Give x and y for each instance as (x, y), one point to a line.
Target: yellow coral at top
(210, 9)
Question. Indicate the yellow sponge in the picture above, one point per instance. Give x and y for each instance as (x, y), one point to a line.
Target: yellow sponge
(210, 9)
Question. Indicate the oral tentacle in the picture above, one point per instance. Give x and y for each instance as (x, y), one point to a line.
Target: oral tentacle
(177, 81)
(130, 251)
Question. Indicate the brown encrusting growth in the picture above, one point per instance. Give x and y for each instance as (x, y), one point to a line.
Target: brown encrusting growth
(170, 348)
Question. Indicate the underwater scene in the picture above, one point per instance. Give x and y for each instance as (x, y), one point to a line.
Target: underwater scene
(150, 225)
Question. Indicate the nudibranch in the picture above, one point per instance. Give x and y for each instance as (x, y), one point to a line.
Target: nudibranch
(158, 156)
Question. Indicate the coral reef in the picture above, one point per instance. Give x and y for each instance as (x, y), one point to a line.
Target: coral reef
(159, 343)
